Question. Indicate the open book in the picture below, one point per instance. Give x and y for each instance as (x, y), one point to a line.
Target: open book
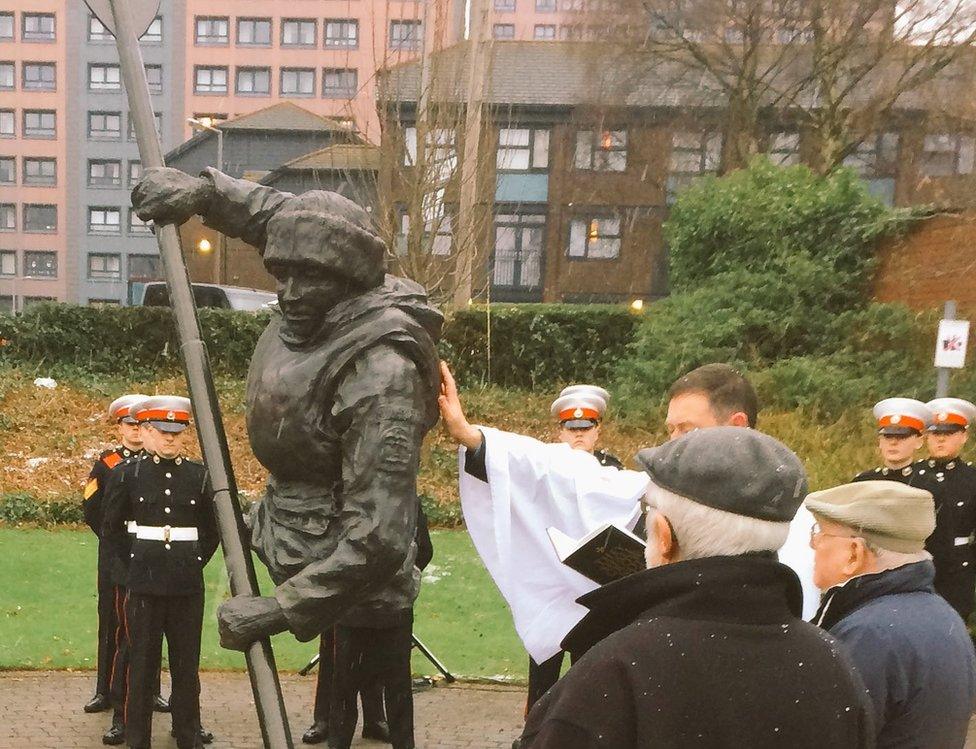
(603, 555)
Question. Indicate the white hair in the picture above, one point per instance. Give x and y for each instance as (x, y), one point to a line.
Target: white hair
(703, 531)
(886, 559)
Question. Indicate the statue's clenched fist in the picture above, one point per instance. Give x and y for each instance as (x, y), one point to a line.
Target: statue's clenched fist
(167, 195)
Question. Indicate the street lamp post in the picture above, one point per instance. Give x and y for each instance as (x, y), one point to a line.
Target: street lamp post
(221, 253)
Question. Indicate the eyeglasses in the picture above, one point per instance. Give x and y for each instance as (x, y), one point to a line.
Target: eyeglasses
(817, 532)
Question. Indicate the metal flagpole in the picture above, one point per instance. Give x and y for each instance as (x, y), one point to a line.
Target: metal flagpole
(127, 19)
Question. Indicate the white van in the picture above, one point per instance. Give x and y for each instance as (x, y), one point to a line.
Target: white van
(155, 294)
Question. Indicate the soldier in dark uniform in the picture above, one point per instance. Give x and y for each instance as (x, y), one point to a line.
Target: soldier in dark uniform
(901, 424)
(168, 497)
(109, 596)
(342, 387)
(953, 485)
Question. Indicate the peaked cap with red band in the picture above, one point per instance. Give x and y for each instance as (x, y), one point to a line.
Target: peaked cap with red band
(580, 406)
(168, 413)
(951, 414)
(902, 417)
(119, 410)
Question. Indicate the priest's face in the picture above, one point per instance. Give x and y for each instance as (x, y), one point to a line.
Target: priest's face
(580, 438)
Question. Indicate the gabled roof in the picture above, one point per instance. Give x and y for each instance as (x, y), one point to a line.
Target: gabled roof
(285, 115)
(347, 157)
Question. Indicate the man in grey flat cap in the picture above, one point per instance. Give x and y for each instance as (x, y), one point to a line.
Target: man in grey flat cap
(706, 647)
(911, 649)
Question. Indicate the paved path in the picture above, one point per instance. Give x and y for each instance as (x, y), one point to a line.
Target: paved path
(42, 709)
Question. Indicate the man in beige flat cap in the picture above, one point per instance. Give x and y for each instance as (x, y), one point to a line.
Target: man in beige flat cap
(911, 649)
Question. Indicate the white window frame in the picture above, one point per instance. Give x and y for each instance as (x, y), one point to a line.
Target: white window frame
(204, 80)
(104, 77)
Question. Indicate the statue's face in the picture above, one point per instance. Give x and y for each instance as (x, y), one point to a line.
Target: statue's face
(306, 292)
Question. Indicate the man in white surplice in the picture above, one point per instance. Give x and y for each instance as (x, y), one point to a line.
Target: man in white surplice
(513, 488)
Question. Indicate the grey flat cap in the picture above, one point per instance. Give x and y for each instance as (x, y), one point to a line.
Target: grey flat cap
(889, 514)
(735, 469)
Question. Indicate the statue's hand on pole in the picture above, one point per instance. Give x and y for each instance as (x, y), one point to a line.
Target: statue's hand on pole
(167, 195)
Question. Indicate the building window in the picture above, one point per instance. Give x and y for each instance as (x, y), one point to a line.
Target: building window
(104, 267)
(157, 119)
(97, 32)
(41, 264)
(544, 31)
(135, 172)
(209, 80)
(40, 123)
(212, 30)
(504, 4)
(8, 76)
(594, 238)
(601, 150)
(517, 257)
(522, 150)
(154, 75)
(103, 220)
(299, 32)
(42, 219)
(37, 27)
(946, 155)
(297, 82)
(8, 263)
(695, 153)
(342, 33)
(104, 173)
(405, 35)
(503, 31)
(8, 170)
(38, 76)
(875, 156)
(104, 126)
(144, 268)
(104, 78)
(339, 83)
(8, 217)
(409, 146)
(784, 148)
(6, 27)
(253, 81)
(40, 171)
(6, 302)
(137, 225)
(7, 126)
(255, 32)
(154, 34)
(30, 301)
(545, 6)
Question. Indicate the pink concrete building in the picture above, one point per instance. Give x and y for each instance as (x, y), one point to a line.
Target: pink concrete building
(33, 113)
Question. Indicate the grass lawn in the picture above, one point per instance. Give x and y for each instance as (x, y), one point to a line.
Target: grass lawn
(48, 609)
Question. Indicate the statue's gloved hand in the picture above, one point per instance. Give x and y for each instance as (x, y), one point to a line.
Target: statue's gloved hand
(167, 195)
(244, 619)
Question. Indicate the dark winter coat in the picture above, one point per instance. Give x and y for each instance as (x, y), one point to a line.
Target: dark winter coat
(702, 653)
(912, 651)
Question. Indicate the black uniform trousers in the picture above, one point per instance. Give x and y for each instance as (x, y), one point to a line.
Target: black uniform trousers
(371, 696)
(148, 618)
(542, 676)
(958, 588)
(108, 625)
(367, 658)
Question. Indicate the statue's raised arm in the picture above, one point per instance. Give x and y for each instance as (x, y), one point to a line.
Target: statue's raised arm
(341, 390)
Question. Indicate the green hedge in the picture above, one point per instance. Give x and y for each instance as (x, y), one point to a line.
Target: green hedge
(531, 344)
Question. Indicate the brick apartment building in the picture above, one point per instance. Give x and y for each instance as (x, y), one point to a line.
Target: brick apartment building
(581, 185)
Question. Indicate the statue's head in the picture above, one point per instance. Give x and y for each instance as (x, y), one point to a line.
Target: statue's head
(321, 250)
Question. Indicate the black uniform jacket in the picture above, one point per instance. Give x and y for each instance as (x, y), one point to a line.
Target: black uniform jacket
(157, 492)
(109, 464)
(953, 486)
(907, 475)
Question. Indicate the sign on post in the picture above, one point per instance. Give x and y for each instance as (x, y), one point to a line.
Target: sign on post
(950, 347)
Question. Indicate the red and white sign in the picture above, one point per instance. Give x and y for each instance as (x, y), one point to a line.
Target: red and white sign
(950, 348)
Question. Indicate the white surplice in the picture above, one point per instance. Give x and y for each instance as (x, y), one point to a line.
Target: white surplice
(533, 485)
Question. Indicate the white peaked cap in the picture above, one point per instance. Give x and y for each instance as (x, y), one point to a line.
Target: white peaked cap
(952, 411)
(590, 400)
(120, 408)
(902, 415)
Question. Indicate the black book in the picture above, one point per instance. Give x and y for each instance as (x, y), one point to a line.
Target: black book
(603, 555)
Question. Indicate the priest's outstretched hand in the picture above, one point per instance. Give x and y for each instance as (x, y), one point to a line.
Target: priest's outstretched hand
(455, 422)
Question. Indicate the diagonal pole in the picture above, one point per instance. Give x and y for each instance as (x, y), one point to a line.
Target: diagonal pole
(119, 17)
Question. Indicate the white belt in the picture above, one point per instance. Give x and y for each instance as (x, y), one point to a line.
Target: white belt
(963, 540)
(131, 526)
(166, 533)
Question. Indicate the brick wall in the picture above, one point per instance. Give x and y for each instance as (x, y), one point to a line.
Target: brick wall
(932, 263)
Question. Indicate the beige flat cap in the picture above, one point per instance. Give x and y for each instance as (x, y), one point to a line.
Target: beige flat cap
(889, 514)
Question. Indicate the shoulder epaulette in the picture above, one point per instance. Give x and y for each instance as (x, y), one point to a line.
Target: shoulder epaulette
(112, 459)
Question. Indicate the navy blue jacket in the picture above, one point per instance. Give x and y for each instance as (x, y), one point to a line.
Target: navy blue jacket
(913, 653)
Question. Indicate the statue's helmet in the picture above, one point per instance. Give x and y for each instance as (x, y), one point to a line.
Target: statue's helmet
(330, 231)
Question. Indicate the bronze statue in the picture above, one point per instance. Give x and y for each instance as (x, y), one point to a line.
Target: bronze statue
(341, 389)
